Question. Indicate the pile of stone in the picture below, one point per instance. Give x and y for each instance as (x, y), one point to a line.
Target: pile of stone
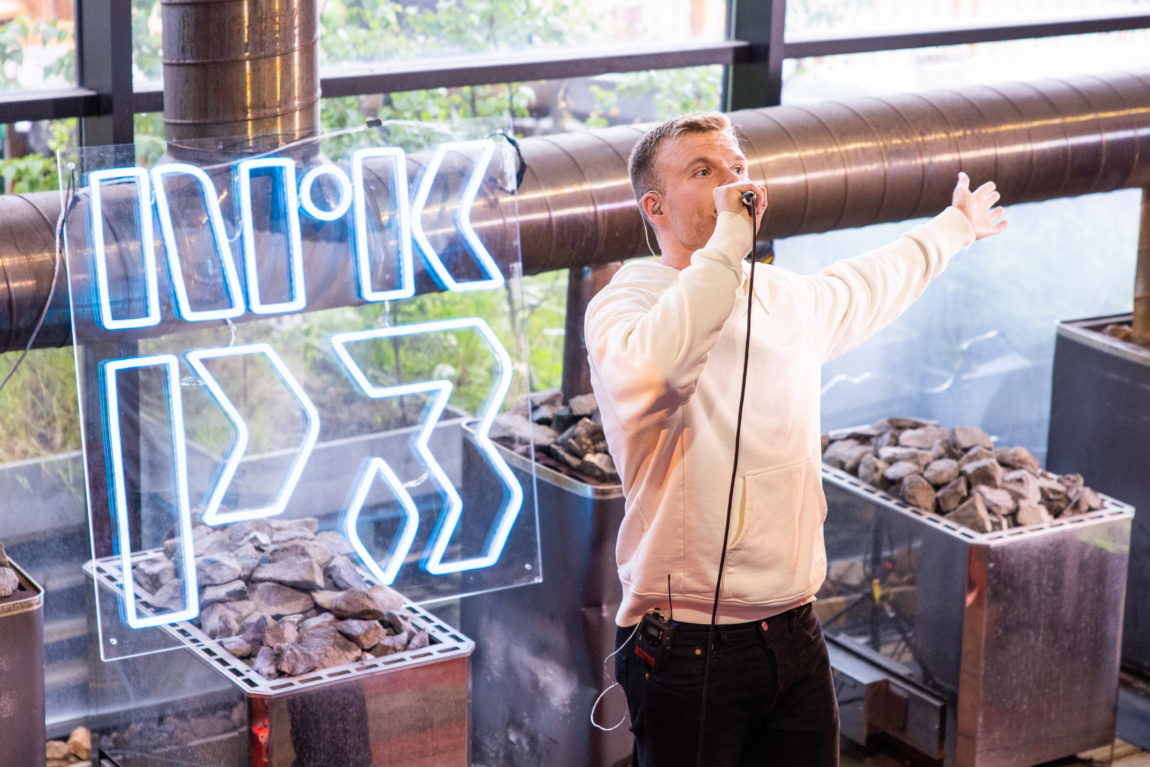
(959, 473)
(566, 436)
(283, 598)
(73, 752)
(9, 581)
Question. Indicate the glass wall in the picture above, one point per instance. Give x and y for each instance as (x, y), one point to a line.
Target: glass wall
(808, 18)
(428, 29)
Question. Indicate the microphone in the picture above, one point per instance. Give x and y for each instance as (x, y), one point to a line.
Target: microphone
(749, 201)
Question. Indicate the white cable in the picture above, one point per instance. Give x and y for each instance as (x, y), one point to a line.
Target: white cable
(615, 684)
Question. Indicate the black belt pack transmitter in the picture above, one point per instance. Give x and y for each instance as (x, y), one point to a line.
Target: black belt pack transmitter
(653, 643)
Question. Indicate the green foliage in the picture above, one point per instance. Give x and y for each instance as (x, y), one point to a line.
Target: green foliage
(38, 411)
(30, 173)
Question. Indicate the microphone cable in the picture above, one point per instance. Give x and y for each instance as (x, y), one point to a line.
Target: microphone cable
(748, 200)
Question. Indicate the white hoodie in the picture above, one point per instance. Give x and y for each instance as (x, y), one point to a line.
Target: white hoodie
(666, 352)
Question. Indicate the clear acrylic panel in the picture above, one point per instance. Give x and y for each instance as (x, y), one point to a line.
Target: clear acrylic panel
(305, 345)
(977, 347)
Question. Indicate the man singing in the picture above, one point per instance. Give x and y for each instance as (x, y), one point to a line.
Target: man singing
(667, 339)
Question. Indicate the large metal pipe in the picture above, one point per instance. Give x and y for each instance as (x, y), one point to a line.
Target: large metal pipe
(828, 165)
(239, 74)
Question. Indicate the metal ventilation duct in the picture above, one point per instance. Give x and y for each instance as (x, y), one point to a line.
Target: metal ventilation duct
(827, 166)
(239, 69)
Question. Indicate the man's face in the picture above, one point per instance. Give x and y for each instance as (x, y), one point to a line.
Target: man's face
(690, 166)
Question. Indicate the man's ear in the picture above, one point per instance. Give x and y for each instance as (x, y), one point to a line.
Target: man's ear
(652, 205)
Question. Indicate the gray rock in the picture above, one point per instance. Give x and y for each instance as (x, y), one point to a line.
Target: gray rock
(1071, 481)
(325, 598)
(297, 572)
(309, 548)
(599, 466)
(419, 640)
(1084, 499)
(951, 495)
(561, 455)
(277, 600)
(241, 532)
(1031, 513)
(295, 660)
(985, 472)
(974, 455)
(1017, 458)
(265, 663)
(584, 437)
(1022, 485)
(249, 558)
(366, 634)
(972, 513)
(390, 645)
(153, 573)
(211, 540)
(871, 469)
(344, 574)
(909, 423)
(238, 646)
(551, 398)
(509, 427)
(317, 621)
(398, 622)
(388, 599)
(170, 596)
(543, 414)
(329, 647)
(941, 471)
(965, 437)
(284, 530)
(942, 449)
(220, 620)
(253, 628)
(9, 581)
(923, 437)
(357, 603)
(917, 492)
(887, 438)
(996, 500)
(845, 452)
(281, 633)
(899, 470)
(218, 568)
(864, 435)
(1055, 497)
(334, 542)
(225, 592)
(893, 455)
(583, 404)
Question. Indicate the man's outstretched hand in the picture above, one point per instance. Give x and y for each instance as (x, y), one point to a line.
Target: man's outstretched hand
(978, 207)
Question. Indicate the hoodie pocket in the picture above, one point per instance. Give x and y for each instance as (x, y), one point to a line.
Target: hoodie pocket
(777, 545)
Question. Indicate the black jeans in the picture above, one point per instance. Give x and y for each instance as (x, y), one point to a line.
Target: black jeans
(770, 698)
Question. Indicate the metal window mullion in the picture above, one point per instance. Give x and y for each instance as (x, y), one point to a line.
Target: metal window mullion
(756, 81)
(831, 46)
(104, 65)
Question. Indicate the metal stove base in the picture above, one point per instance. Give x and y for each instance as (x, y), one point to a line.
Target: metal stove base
(1134, 716)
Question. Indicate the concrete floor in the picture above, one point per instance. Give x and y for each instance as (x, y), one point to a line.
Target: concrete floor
(887, 755)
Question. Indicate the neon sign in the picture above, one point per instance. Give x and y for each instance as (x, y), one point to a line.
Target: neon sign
(248, 257)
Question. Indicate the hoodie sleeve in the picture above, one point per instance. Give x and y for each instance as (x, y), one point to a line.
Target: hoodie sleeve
(647, 344)
(854, 299)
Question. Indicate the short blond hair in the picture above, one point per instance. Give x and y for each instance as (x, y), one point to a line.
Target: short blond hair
(641, 164)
